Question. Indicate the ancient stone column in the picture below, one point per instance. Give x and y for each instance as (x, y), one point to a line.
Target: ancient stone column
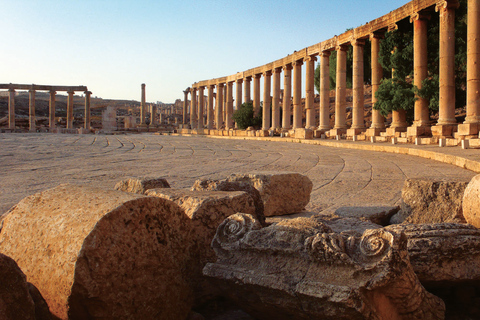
(267, 102)
(297, 94)
(256, 95)
(219, 107)
(420, 67)
(201, 104)
(378, 121)
(340, 92)
(287, 96)
(193, 109)
(324, 91)
(210, 114)
(87, 109)
(153, 115)
(31, 110)
(185, 105)
(447, 67)
(310, 92)
(358, 110)
(276, 99)
(11, 108)
(229, 107)
(246, 85)
(473, 64)
(51, 110)
(70, 110)
(238, 94)
(143, 108)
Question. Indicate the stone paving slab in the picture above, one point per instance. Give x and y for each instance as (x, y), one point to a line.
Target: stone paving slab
(341, 176)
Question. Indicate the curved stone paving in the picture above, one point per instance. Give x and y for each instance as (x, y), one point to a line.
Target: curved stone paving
(341, 177)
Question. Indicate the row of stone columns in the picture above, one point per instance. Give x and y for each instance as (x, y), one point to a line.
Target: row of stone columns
(52, 103)
(292, 87)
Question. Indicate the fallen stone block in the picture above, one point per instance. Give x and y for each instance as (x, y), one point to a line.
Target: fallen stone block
(430, 201)
(471, 202)
(301, 269)
(140, 185)
(102, 254)
(377, 214)
(282, 193)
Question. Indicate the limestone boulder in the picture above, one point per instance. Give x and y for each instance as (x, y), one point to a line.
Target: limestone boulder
(431, 201)
(15, 300)
(102, 254)
(140, 185)
(282, 193)
(471, 202)
(301, 269)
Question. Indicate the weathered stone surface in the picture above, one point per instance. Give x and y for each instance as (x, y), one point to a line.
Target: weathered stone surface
(377, 214)
(42, 312)
(443, 253)
(15, 300)
(224, 185)
(96, 253)
(301, 269)
(140, 185)
(431, 201)
(282, 193)
(471, 202)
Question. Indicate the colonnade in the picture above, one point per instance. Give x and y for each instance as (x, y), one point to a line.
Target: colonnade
(419, 12)
(32, 89)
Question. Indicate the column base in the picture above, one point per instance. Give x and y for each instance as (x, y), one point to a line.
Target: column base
(303, 133)
(395, 131)
(374, 132)
(337, 132)
(355, 131)
(263, 133)
(318, 132)
(419, 131)
(444, 130)
(467, 129)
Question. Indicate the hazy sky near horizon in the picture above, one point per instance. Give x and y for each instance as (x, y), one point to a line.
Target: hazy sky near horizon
(112, 46)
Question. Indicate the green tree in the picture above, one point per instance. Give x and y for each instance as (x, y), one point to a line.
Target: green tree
(244, 118)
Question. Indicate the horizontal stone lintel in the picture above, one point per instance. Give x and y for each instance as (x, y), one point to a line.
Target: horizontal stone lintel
(38, 87)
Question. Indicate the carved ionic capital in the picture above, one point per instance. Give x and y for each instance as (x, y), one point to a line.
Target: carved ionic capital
(288, 66)
(420, 16)
(326, 53)
(358, 42)
(447, 4)
(377, 35)
(310, 58)
(341, 47)
(267, 73)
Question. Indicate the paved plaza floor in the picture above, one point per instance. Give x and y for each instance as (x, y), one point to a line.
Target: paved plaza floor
(341, 177)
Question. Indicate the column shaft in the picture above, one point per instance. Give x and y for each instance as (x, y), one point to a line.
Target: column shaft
(31, 111)
(143, 110)
(447, 62)
(246, 84)
(310, 92)
(51, 110)
(219, 107)
(324, 91)
(185, 106)
(473, 62)
(420, 67)
(358, 110)
(287, 96)
(87, 110)
(276, 98)
(193, 109)
(210, 115)
(70, 110)
(267, 81)
(229, 107)
(297, 94)
(256, 95)
(238, 94)
(201, 104)
(11, 109)
(378, 121)
(341, 86)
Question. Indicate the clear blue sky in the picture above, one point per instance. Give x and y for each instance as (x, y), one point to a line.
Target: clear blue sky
(114, 46)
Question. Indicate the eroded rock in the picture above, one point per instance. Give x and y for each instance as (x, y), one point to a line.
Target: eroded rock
(282, 193)
(140, 185)
(431, 201)
(471, 202)
(95, 253)
(301, 269)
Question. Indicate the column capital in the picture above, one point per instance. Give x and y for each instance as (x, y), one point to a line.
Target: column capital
(32, 90)
(220, 85)
(70, 92)
(267, 73)
(88, 93)
(248, 79)
(201, 87)
(325, 53)
(53, 92)
(297, 62)
(277, 70)
(143, 85)
(377, 35)
(392, 27)
(239, 81)
(447, 4)
(193, 90)
(358, 42)
(288, 66)
(420, 15)
(11, 90)
(311, 58)
(341, 47)
(257, 76)
(212, 86)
